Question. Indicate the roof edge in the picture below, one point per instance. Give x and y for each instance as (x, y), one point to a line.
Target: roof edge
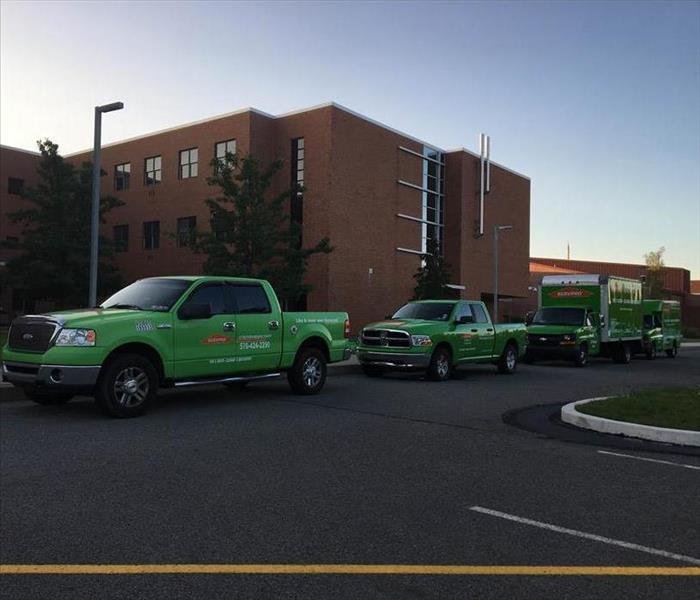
(16, 149)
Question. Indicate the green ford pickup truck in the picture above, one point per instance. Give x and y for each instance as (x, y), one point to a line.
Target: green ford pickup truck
(438, 335)
(171, 331)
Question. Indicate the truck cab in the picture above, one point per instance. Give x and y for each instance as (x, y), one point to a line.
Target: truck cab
(661, 331)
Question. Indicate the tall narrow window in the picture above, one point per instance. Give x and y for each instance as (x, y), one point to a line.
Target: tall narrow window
(222, 149)
(297, 162)
(153, 170)
(189, 160)
(122, 174)
(121, 238)
(151, 235)
(186, 228)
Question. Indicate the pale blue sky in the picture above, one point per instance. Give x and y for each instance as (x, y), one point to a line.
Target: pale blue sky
(598, 102)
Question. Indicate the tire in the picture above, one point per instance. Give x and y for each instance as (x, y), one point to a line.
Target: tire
(127, 385)
(623, 354)
(508, 363)
(372, 370)
(47, 398)
(440, 367)
(650, 352)
(673, 351)
(308, 373)
(581, 359)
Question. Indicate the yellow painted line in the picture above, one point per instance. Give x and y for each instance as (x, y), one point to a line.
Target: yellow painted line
(321, 569)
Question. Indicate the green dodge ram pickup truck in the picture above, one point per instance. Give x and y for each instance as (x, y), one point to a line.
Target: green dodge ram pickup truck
(171, 331)
(437, 335)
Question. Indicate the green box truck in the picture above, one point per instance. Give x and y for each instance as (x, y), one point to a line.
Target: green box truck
(661, 330)
(171, 332)
(582, 315)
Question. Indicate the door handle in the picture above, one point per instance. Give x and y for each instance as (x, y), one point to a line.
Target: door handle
(489, 329)
(475, 330)
(229, 326)
(273, 324)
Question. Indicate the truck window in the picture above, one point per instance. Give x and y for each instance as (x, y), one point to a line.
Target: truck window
(430, 311)
(464, 310)
(213, 295)
(479, 314)
(249, 299)
(148, 294)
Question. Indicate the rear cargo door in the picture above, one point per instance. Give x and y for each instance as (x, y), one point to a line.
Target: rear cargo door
(258, 327)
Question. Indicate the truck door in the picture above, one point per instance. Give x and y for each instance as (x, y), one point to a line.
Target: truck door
(484, 331)
(258, 327)
(591, 334)
(205, 346)
(465, 343)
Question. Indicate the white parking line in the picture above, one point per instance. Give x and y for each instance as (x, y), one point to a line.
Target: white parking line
(653, 460)
(588, 536)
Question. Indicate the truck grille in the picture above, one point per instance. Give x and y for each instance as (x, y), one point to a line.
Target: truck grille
(544, 339)
(386, 338)
(31, 334)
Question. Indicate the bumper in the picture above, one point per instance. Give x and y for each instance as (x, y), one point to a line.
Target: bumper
(555, 352)
(394, 360)
(59, 377)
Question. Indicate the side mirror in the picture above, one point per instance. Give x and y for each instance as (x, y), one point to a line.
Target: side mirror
(194, 311)
(464, 319)
(529, 318)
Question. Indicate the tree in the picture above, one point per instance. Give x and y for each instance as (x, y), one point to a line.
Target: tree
(252, 234)
(433, 276)
(55, 245)
(654, 285)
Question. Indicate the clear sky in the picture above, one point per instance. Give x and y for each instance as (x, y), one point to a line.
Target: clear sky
(598, 102)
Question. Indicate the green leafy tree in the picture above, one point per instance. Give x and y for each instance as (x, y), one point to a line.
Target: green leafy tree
(654, 285)
(55, 245)
(433, 276)
(252, 234)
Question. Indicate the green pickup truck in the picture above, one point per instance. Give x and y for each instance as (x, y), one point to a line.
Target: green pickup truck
(661, 328)
(438, 335)
(171, 332)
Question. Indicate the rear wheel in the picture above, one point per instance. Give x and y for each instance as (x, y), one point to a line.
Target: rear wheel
(508, 362)
(440, 366)
(47, 398)
(672, 351)
(127, 385)
(650, 352)
(623, 354)
(581, 359)
(372, 370)
(308, 373)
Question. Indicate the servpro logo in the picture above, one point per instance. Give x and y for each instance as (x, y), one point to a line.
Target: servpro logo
(216, 338)
(570, 292)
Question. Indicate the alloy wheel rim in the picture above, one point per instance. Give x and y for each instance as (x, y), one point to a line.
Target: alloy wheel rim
(312, 372)
(131, 387)
(510, 359)
(442, 366)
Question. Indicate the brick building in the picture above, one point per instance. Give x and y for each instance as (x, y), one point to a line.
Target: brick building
(378, 194)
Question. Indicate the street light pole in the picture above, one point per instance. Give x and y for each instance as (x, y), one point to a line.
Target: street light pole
(95, 212)
(496, 230)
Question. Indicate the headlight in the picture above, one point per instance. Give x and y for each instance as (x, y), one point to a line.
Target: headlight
(568, 338)
(421, 340)
(76, 337)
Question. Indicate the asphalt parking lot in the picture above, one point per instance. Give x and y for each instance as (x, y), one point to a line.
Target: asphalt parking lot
(392, 472)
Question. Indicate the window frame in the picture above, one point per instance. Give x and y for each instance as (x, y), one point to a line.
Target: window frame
(189, 234)
(155, 180)
(227, 307)
(157, 238)
(221, 160)
(124, 176)
(117, 247)
(231, 287)
(189, 164)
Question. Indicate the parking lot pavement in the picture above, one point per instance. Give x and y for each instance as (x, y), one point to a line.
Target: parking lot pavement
(395, 471)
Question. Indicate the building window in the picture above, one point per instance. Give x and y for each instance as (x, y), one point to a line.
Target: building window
(432, 201)
(122, 173)
(186, 228)
(153, 170)
(151, 235)
(189, 160)
(297, 162)
(15, 186)
(121, 238)
(221, 149)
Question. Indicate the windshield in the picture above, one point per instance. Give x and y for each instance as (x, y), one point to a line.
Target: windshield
(430, 311)
(148, 294)
(559, 316)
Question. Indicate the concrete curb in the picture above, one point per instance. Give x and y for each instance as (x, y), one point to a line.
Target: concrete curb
(682, 437)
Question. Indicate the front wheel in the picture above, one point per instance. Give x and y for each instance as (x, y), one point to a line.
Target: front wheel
(47, 398)
(508, 362)
(623, 354)
(126, 386)
(440, 366)
(672, 352)
(581, 359)
(308, 373)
